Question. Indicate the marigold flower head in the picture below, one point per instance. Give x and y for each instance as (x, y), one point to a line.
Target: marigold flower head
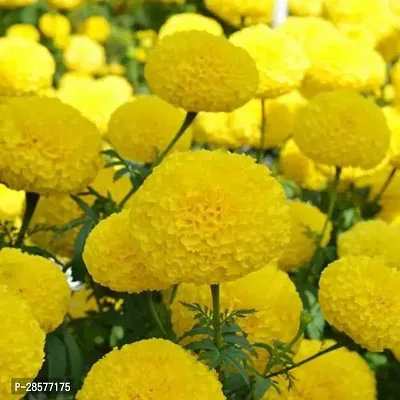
(142, 128)
(65, 4)
(359, 33)
(306, 8)
(97, 28)
(11, 203)
(341, 374)
(82, 302)
(212, 76)
(40, 282)
(360, 296)
(190, 22)
(15, 3)
(25, 66)
(201, 217)
(344, 129)
(280, 60)
(19, 334)
(278, 307)
(83, 54)
(46, 146)
(190, 379)
(56, 27)
(307, 223)
(23, 31)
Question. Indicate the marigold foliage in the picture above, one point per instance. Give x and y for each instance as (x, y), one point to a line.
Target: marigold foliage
(143, 128)
(46, 146)
(280, 60)
(177, 376)
(342, 128)
(212, 76)
(21, 342)
(360, 296)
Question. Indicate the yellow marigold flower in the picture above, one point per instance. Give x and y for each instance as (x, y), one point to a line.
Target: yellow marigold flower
(280, 115)
(327, 132)
(230, 130)
(142, 128)
(11, 203)
(212, 76)
(307, 222)
(341, 374)
(297, 167)
(374, 238)
(306, 8)
(359, 33)
(360, 296)
(25, 66)
(40, 282)
(56, 27)
(203, 218)
(96, 28)
(343, 64)
(278, 307)
(190, 22)
(190, 379)
(393, 121)
(389, 46)
(242, 12)
(280, 60)
(20, 334)
(83, 54)
(15, 3)
(65, 4)
(82, 301)
(46, 146)
(23, 31)
(110, 244)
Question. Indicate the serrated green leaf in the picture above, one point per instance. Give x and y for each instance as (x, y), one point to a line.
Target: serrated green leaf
(230, 360)
(261, 385)
(205, 344)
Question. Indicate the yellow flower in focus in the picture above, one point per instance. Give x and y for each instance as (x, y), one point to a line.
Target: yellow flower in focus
(96, 28)
(82, 301)
(143, 128)
(306, 8)
(25, 67)
(360, 296)
(11, 203)
(374, 238)
(65, 4)
(339, 375)
(342, 128)
(190, 22)
(212, 76)
(280, 60)
(56, 27)
(213, 209)
(307, 222)
(19, 334)
(83, 54)
(40, 282)
(269, 291)
(190, 379)
(46, 146)
(15, 3)
(23, 31)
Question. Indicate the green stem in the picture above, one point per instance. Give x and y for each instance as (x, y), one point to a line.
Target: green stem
(190, 116)
(215, 289)
(260, 152)
(174, 292)
(154, 313)
(385, 185)
(127, 197)
(31, 203)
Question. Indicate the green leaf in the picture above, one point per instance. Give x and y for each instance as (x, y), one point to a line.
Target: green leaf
(212, 356)
(229, 359)
(205, 344)
(75, 359)
(81, 238)
(56, 357)
(120, 173)
(261, 385)
(85, 208)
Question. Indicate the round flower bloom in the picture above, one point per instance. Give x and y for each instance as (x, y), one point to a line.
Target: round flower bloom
(343, 129)
(46, 146)
(23, 31)
(239, 12)
(374, 238)
(278, 307)
(280, 60)
(306, 8)
(212, 76)
(25, 66)
(15, 3)
(238, 128)
(341, 374)
(40, 282)
(83, 54)
(142, 128)
(359, 33)
(20, 334)
(11, 203)
(297, 167)
(56, 27)
(110, 245)
(342, 63)
(96, 28)
(209, 217)
(360, 296)
(82, 302)
(190, 379)
(307, 223)
(190, 22)
(65, 4)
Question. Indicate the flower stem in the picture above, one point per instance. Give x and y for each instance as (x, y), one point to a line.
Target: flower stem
(215, 289)
(31, 203)
(260, 152)
(127, 197)
(154, 313)
(190, 116)
(385, 185)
